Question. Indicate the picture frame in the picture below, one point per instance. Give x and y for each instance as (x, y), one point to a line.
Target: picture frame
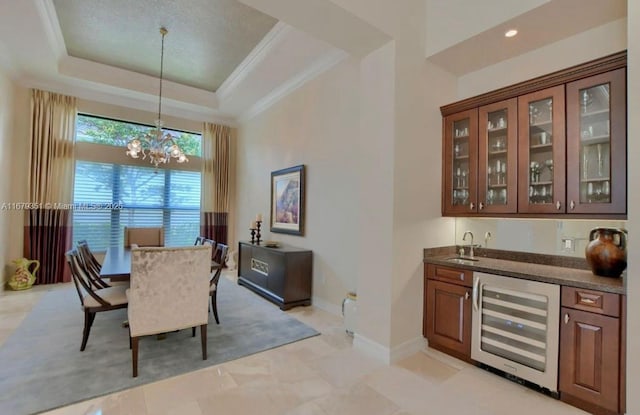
(287, 200)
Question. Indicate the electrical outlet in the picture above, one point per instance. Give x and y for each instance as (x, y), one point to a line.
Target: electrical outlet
(568, 245)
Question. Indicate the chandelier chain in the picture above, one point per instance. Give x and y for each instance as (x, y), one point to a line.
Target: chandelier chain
(163, 32)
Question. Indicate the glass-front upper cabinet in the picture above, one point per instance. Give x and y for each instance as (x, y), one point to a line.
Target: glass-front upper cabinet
(498, 157)
(460, 162)
(596, 139)
(541, 166)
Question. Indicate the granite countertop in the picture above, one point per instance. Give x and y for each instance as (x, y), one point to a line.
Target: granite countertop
(563, 271)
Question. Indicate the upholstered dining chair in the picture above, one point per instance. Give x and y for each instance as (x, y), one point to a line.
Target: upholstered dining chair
(199, 240)
(143, 236)
(168, 293)
(93, 300)
(213, 283)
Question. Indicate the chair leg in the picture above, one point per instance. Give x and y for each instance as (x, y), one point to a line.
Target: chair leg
(193, 332)
(203, 340)
(214, 306)
(130, 346)
(134, 356)
(88, 322)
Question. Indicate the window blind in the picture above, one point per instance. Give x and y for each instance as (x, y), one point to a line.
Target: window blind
(108, 197)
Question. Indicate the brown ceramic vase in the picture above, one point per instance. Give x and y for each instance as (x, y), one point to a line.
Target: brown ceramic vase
(606, 252)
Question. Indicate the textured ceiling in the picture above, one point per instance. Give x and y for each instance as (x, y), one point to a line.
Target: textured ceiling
(207, 39)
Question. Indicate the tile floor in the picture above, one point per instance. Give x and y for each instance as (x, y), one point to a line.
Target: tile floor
(322, 375)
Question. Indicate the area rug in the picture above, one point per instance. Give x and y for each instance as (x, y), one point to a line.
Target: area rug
(41, 367)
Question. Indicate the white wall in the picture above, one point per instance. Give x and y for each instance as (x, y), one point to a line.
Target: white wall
(633, 205)
(317, 125)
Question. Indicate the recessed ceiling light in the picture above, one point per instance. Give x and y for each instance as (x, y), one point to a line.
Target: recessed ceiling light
(511, 33)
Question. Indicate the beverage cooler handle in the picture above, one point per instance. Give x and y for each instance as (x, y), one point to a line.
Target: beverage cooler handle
(476, 284)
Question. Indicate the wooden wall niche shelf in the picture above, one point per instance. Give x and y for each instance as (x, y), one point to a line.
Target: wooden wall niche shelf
(554, 145)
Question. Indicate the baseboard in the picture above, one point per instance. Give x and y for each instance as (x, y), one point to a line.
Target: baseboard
(407, 348)
(371, 348)
(327, 306)
(385, 354)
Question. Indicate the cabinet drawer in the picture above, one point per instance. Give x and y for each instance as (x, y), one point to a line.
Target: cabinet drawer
(448, 274)
(592, 301)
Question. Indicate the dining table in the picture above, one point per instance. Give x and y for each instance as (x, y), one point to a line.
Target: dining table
(116, 264)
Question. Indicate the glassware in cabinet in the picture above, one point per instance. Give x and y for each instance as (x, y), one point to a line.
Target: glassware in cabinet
(596, 144)
(542, 151)
(497, 157)
(460, 162)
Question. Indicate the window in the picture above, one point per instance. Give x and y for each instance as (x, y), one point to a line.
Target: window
(112, 191)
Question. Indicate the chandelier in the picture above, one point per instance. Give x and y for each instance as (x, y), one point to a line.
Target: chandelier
(158, 145)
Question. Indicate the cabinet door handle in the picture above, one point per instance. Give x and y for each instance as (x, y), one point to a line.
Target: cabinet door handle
(476, 283)
(466, 295)
(566, 318)
(480, 205)
(572, 205)
(472, 206)
(558, 205)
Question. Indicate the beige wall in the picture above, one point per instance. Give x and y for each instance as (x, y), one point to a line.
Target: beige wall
(6, 143)
(384, 143)
(14, 116)
(583, 47)
(633, 204)
(317, 125)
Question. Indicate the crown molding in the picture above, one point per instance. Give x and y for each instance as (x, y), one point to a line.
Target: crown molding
(276, 35)
(128, 99)
(51, 24)
(321, 65)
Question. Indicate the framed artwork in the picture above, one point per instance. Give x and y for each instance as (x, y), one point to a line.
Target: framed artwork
(287, 200)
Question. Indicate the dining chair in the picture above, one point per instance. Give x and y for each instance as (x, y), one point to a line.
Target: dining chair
(199, 240)
(143, 236)
(92, 299)
(214, 244)
(92, 266)
(213, 283)
(168, 293)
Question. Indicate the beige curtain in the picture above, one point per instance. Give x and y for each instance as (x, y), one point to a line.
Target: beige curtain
(51, 171)
(215, 198)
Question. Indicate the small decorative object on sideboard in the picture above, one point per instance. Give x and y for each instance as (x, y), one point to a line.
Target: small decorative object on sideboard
(23, 278)
(252, 228)
(258, 223)
(606, 252)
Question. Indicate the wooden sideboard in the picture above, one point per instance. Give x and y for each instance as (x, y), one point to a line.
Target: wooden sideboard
(282, 275)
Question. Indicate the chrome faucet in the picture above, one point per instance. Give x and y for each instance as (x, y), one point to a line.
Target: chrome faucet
(464, 238)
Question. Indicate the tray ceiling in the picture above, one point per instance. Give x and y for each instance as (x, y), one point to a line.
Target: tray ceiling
(207, 39)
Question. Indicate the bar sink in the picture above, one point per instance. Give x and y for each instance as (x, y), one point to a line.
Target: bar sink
(462, 260)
